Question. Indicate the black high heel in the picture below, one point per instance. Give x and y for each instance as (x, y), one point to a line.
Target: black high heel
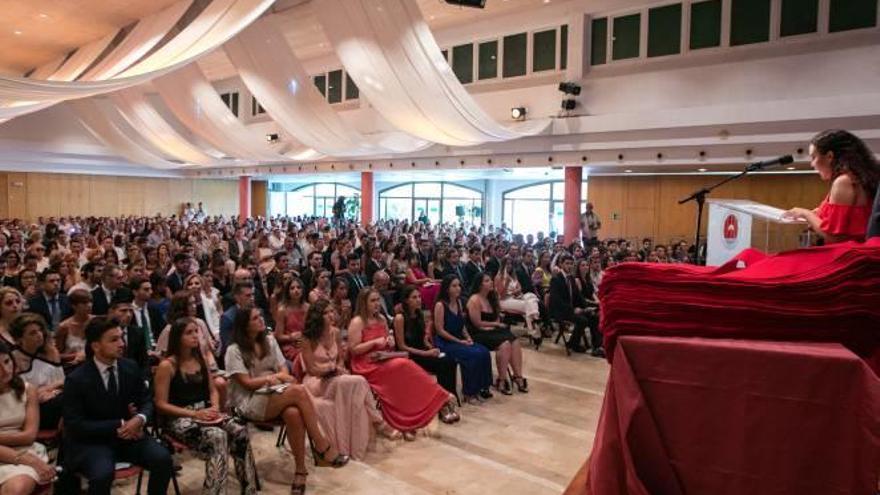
(321, 461)
(521, 384)
(298, 488)
(504, 387)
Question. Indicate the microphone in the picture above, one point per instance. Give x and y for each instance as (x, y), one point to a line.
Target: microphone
(782, 160)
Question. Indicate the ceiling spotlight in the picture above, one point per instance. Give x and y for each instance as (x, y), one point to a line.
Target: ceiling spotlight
(518, 113)
(790, 168)
(272, 138)
(702, 170)
(570, 88)
(569, 104)
(628, 171)
(479, 4)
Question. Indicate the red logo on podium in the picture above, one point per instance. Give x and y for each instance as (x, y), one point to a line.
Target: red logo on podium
(731, 229)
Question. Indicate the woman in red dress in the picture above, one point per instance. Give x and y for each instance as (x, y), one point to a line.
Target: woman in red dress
(291, 318)
(428, 287)
(409, 397)
(845, 160)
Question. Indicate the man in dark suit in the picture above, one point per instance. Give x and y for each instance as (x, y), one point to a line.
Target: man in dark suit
(106, 406)
(147, 316)
(567, 304)
(134, 339)
(181, 269)
(50, 303)
(103, 294)
(355, 278)
(275, 277)
(309, 275)
(473, 267)
(237, 245)
(374, 262)
(454, 266)
(493, 264)
(243, 294)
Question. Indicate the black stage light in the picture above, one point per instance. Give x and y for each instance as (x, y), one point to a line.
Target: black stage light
(478, 4)
(272, 138)
(568, 104)
(570, 88)
(518, 113)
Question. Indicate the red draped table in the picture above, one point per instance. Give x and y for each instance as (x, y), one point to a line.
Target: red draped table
(697, 416)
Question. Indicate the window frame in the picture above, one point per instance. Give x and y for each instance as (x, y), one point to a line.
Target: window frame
(383, 195)
(290, 187)
(551, 201)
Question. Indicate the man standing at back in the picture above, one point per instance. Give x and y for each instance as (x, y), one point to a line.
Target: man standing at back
(106, 406)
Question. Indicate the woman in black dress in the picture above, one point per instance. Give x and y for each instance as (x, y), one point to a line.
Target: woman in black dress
(486, 328)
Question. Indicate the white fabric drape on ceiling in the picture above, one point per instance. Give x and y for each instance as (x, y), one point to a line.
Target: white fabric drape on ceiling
(211, 28)
(277, 79)
(108, 126)
(147, 33)
(195, 103)
(388, 50)
(142, 115)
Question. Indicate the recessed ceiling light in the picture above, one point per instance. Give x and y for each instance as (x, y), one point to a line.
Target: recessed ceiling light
(702, 170)
(790, 168)
(628, 171)
(17, 32)
(43, 15)
(546, 1)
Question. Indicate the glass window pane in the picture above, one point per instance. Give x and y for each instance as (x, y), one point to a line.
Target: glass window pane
(324, 190)
(488, 60)
(299, 203)
(402, 191)
(540, 191)
(557, 217)
(749, 22)
(799, 17)
(852, 14)
(544, 50)
(514, 63)
(563, 47)
(450, 215)
(599, 40)
(334, 86)
(427, 190)
(705, 24)
(529, 216)
(454, 191)
(584, 190)
(559, 190)
(351, 90)
(463, 62)
(625, 40)
(398, 209)
(347, 191)
(321, 83)
(664, 30)
(277, 206)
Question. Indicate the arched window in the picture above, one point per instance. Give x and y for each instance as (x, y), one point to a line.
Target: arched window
(294, 200)
(438, 201)
(537, 207)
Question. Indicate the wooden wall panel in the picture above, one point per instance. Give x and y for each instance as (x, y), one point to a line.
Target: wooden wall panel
(4, 195)
(17, 195)
(218, 196)
(259, 198)
(635, 207)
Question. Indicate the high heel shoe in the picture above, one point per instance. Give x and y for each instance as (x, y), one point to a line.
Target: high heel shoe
(409, 436)
(388, 432)
(322, 461)
(503, 386)
(298, 488)
(521, 384)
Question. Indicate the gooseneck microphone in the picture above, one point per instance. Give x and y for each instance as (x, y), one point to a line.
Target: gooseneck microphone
(782, 160)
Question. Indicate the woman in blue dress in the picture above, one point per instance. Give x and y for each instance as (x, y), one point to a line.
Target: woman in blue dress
(452, 338)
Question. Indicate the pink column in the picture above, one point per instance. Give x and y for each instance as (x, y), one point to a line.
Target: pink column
(572, 204)
(244, 198)
(366, 197)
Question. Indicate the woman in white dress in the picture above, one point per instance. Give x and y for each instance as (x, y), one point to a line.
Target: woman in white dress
(22, 461)
(512, 299)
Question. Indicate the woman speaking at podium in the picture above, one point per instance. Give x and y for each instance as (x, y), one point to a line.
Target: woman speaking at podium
(845, 160)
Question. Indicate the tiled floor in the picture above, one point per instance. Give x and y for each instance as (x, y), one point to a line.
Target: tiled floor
(524, 444)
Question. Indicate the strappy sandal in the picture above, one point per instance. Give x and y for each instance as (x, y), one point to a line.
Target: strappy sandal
(409, 436)
(388, 432)
(503, 386)
(322, 461)
(298, 488)
(521, 384)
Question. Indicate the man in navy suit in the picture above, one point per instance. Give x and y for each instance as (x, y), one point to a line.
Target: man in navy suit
(103, 294)
(106, 405)
(50, 303)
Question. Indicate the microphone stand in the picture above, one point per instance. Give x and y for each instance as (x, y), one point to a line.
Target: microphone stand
(700, 197)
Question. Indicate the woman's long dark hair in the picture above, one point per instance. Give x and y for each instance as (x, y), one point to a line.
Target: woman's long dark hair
(285, 292)
(179, 305)
(314, 325)
(851, 155)
(443, 295)
(492, 297)
(410, 317)
(16, 382)
(174, 336)
(240, 335)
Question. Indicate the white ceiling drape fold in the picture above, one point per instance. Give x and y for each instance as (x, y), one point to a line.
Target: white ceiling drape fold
(388, 50)
(273, 74)
(217, 23)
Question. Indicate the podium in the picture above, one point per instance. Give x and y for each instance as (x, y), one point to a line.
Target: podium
(737, 224)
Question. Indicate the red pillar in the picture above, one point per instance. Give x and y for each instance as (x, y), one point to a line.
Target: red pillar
(244, 198)
(366, 197)
(572, 205)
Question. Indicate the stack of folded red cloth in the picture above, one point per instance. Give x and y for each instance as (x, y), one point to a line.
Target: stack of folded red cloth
(829, 293)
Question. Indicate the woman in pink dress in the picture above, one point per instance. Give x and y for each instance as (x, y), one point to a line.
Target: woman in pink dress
(428, 287)
(291, 318)
(409, 397)
(344, 403)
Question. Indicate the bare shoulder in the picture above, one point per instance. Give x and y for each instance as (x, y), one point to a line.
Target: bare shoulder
(843, 190)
